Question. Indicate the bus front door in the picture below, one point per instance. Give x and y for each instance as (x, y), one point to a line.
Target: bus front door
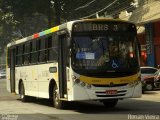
(12, 70)
(62, 65)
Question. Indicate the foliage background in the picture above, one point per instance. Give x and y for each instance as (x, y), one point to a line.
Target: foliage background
(21, 18)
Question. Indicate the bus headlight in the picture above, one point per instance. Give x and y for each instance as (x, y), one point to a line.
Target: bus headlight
(83, 84)
(76, 80)
(89, 86)
(79, 82)
(74, 77)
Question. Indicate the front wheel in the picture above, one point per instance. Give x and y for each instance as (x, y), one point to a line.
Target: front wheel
(110, 103)
(59, 104)
(23, 97)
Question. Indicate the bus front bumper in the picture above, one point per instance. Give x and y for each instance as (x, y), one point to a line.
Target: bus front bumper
(100, 93)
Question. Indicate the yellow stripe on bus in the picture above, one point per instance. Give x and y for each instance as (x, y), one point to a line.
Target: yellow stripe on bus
(103, 81)
(54, 29)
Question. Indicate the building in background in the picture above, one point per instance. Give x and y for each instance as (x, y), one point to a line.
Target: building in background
(147, 17)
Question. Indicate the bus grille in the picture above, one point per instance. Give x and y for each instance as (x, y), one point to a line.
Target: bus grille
(115, 85)
(119, 93)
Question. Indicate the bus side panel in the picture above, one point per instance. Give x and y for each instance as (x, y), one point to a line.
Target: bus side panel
(43, 80)
(28, 75)
(70, 83)
(137, 91)
(44, 77)
(36, 79)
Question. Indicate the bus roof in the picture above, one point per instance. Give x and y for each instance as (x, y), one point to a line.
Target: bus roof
(37, 35)
(56, 28)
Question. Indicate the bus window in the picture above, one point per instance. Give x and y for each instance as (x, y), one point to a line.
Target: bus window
(53, 51)
(34, 53)
(101, 52)
(49, 47)
(42, 55)
(26, 54)
(19, 50)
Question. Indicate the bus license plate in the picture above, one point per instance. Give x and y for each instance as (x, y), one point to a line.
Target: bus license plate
(111, 92)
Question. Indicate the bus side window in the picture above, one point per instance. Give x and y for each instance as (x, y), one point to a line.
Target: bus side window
(42, 56)
(26, 54)
(49, 47)
(53, 48)
(34, 53)
(19, 50)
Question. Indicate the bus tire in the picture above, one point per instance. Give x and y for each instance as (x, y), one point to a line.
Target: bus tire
(110, 103)
(59, 104)
(23, 97)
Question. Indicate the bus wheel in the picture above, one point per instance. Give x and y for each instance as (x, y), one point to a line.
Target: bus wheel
(110, 103)
(59, 104)
(22, 93)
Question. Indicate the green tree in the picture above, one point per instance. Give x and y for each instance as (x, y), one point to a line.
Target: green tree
(62, 9)
(20, 19)
(73, 9)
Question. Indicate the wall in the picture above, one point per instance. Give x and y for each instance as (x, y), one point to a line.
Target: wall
(157, 42)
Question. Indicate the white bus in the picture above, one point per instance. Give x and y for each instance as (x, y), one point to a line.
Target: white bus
(94, 59)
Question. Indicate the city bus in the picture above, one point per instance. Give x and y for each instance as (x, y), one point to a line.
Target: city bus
(90, 59)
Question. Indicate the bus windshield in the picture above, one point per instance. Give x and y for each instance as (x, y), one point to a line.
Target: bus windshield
(112, 53)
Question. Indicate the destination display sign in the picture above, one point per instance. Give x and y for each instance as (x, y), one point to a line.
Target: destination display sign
(104, 26)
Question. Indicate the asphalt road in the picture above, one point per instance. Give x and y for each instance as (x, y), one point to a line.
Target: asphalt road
(145, 108)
